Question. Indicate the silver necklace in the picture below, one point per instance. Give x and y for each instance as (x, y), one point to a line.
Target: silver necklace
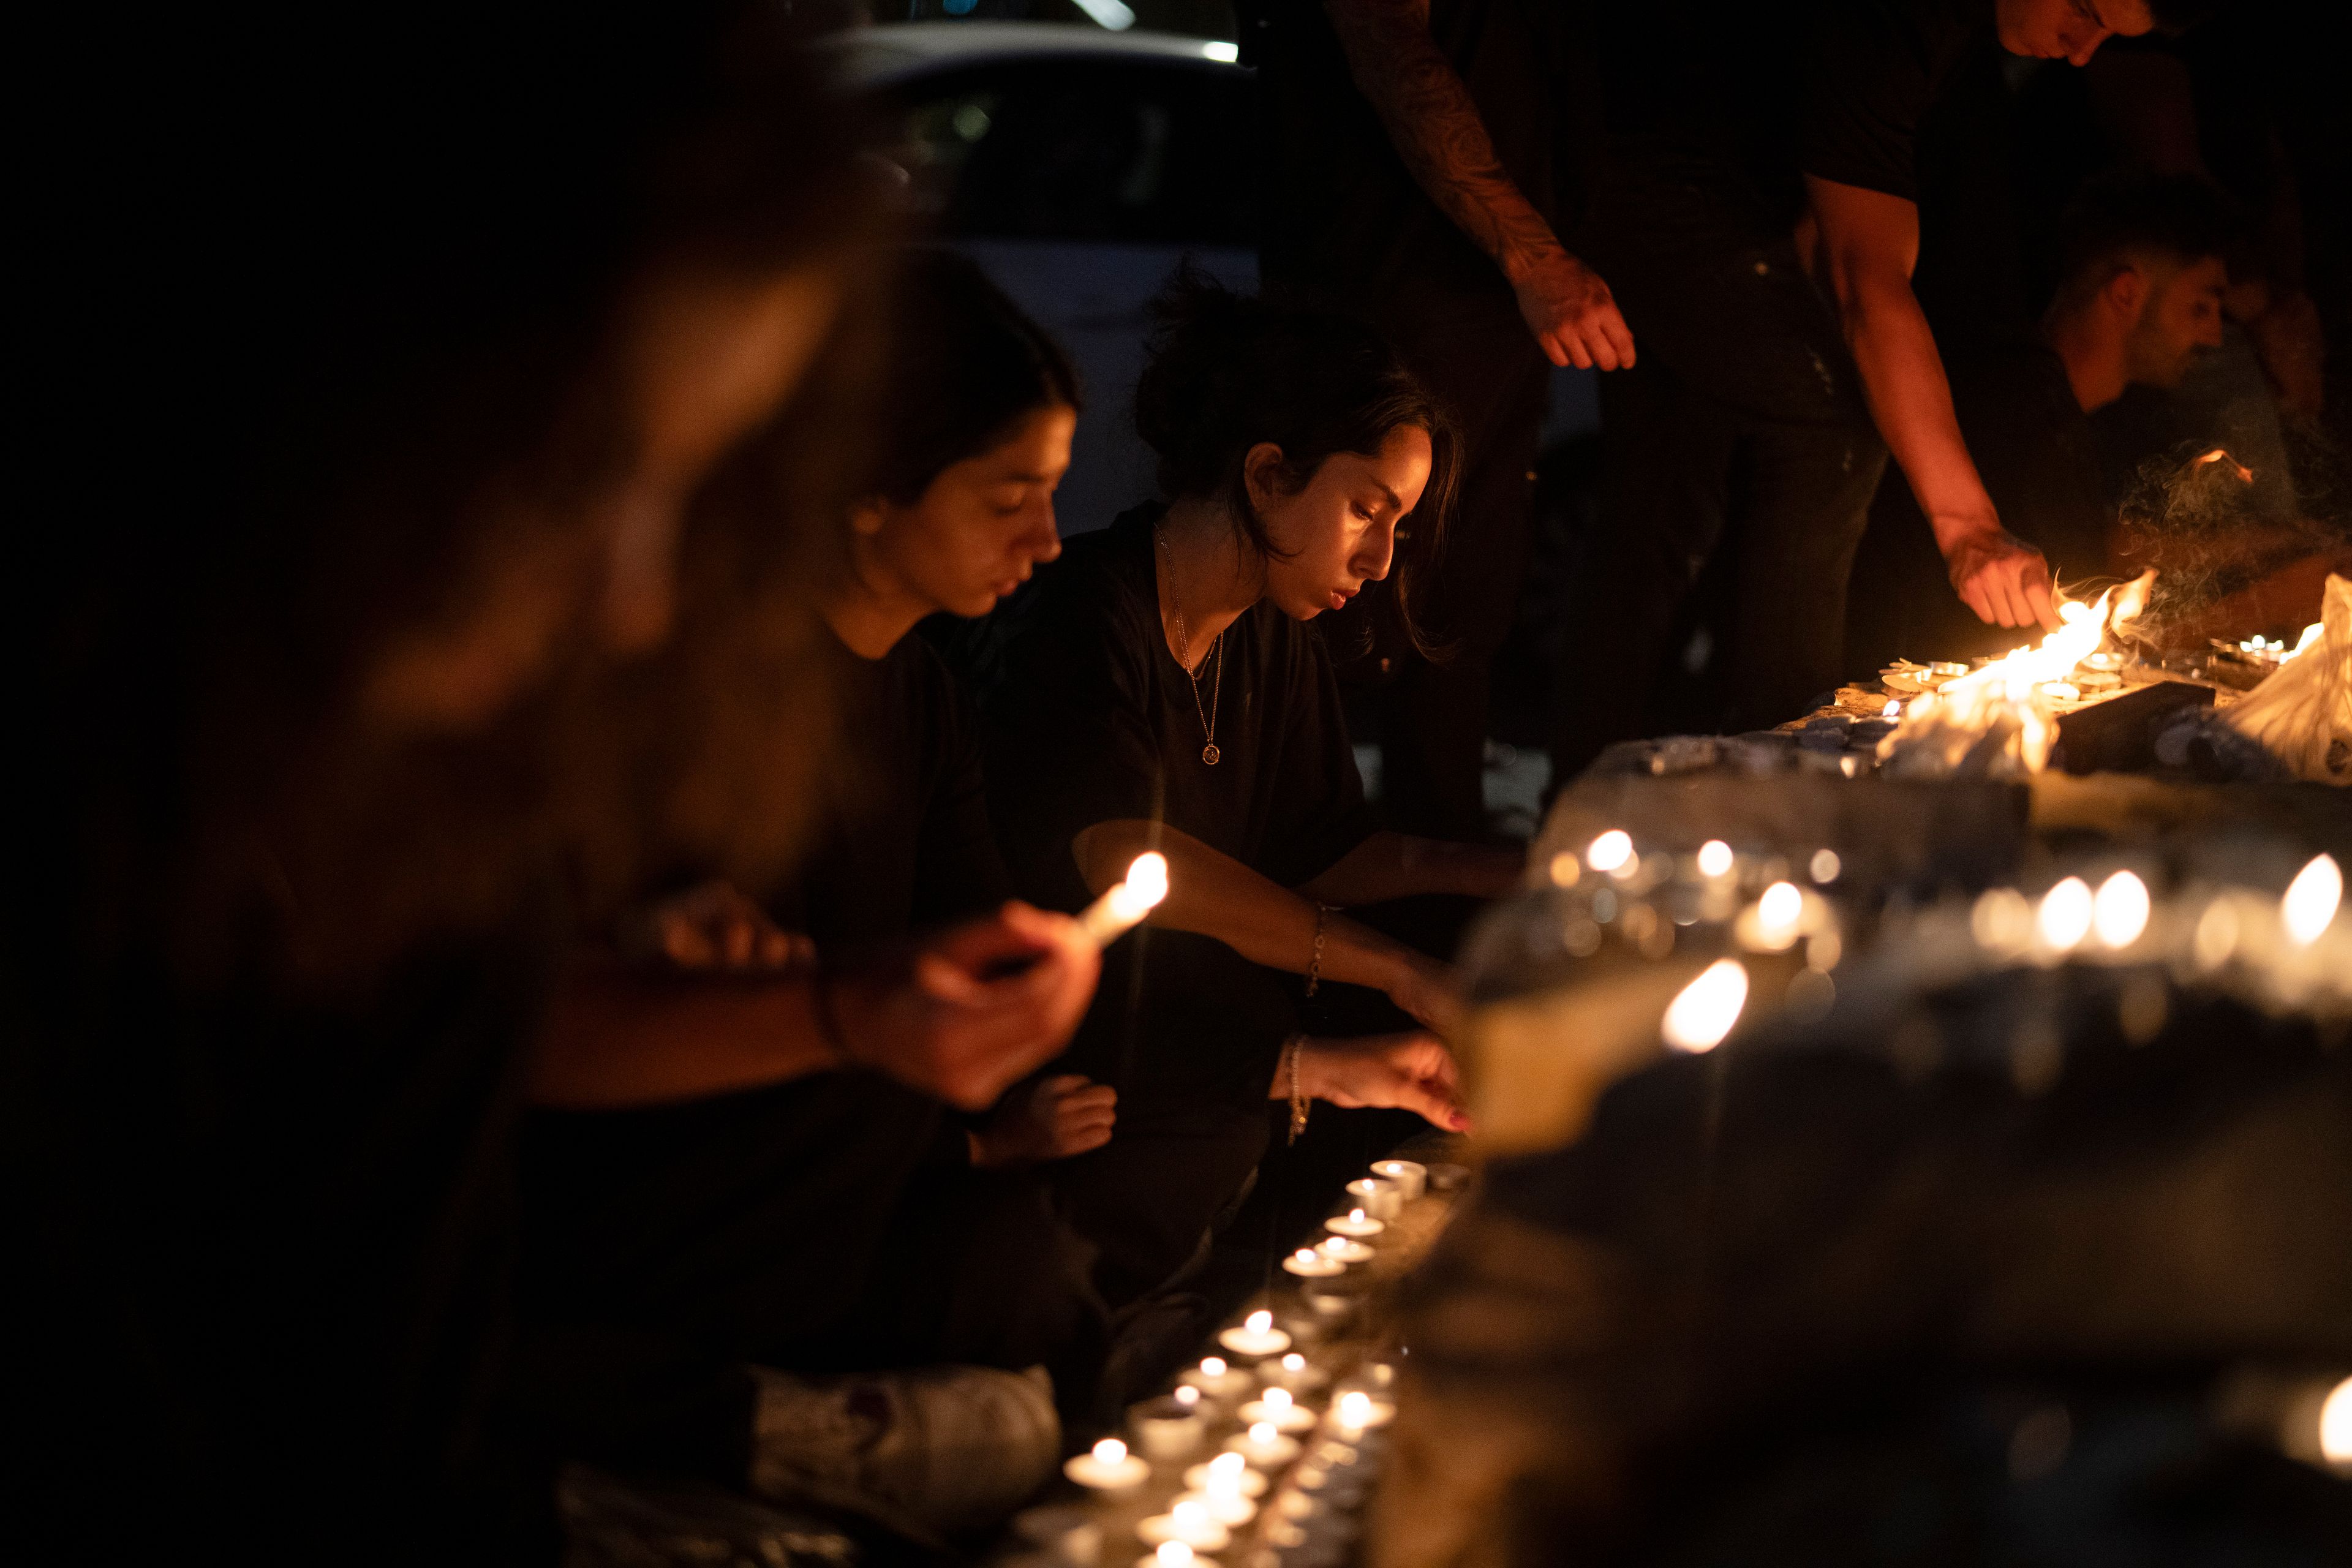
(1209, 753)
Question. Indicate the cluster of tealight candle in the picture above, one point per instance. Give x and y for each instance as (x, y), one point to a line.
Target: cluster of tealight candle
(1262, 1454)
(1652, 901)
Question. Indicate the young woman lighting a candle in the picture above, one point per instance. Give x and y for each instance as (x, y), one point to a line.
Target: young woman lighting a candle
(753, 1166)
(1165, 691)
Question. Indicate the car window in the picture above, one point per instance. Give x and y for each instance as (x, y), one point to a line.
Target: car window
(1084, 148)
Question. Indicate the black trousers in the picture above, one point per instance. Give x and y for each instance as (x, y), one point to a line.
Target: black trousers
(1740, 450)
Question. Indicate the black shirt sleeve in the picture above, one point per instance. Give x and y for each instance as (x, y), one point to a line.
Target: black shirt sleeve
(1070, 736)
(1874, 68)
(958, 870)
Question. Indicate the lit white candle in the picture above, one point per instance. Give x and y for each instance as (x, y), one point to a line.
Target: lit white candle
(1227, 1472)
(1111, 916)
(1257, 1336)
(1174, 1554)
(1345, 1250)
(1264, 1447)
(1278, 1409)
(1168, 1428)
(1225, 1505)
(1357, 1412)
(1309, 1264)
(1295, 1372)
(1411, 1177)
(1380, 1197)
(1354, 1223)
(1109, 1468)
(1186, 1523)
(1216, 1379)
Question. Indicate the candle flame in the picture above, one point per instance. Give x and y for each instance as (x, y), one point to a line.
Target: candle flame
(1110, 1451)
(1258, 1322)
(1611, 851)
(2335, 1425)
(1186, 1394)
(2311, 899)
(1564, 870)
(2246, 475)
(1145, 887)
(2067, 913)
(1698, 1018)
(1305, 1255)
(1780, 909)
(1174, 1554)
(1355, 1409)
(1262, 1433)
(1294, 1362)
(2119, 914)
(1713, 857)
(1277, 1400)
(1188, 1514)
(1229, 1466)
(1215, 1365)
(1355, 1217)
(1826, 866)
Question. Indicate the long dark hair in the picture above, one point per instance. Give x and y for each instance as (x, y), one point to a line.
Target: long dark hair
(962, 365)
(1227, 372)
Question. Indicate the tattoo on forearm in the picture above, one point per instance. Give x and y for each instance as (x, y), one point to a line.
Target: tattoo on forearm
(1435, 126)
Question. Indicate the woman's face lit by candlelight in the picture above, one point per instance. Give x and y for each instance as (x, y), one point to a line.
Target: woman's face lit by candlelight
(1339, 530)
(979, 528)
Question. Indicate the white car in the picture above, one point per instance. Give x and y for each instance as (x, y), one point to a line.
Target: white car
(1078, 166)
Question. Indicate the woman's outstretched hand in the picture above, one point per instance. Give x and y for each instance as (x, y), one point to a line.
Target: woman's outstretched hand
(976, 1008)
(1052, 1119)
(1409, 1072)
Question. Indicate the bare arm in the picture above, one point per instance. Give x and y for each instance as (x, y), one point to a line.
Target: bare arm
(1212, 893)
(1437, 131)
(1393, 866)
(943, 1017)
(1866, 244)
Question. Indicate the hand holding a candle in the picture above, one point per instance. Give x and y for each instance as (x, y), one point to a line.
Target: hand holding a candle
(974, 1009)
(1411, 1072)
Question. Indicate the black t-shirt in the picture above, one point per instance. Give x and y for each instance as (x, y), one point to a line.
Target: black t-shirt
(1341, 213)
(671, 1241)
(1873, 70)
(1095, 721)
(902, 840)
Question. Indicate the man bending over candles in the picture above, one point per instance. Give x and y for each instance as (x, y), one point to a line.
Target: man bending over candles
(2139, 301)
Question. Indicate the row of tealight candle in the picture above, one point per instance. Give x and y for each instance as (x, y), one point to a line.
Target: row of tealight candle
(1303, 1449)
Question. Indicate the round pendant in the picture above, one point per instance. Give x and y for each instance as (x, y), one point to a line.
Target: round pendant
(1209, 753)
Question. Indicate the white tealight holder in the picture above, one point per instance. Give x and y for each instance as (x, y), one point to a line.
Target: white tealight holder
(1174, 1554)
(1411, 1177)
(1264, 1445)
(1295, 1372)
(1223, 1471)
(1380, 1197)
(1355, 1412)
(1186, 1523)
(1309, 1264)
(1257, 1336)
(1280, 1411)
(1168, 1428)
(1069, 1535)
(1228, 1506)
(1217, 1380)
(1347, 1250)
(1109, 1468)
(1355, 1223)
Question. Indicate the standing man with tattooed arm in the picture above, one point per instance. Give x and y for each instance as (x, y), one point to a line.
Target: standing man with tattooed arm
(1417, 179)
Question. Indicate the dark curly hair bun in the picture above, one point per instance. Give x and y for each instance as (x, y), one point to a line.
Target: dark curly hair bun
(1227, 371)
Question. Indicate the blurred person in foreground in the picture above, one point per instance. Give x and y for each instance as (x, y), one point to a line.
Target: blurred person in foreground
(2139, 303)
(378, 510)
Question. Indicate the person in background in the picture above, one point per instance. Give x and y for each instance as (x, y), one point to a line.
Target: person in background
(1419, 172)
(1760, 161)
(2141, 279)
(1164, 690)
(746, 1176)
